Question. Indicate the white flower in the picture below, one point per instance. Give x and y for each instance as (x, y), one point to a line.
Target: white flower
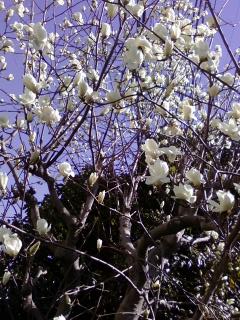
(4, 231)
(12, 244)
(101, 196)
(21, 124)
(158, 173)
(187, 110)
(39, 36)
(135, 9)
(43, 227)
(213, 90)
(113, 96)
(163, 110)
(80, 76)
(169, 13)
(171, 152)
(212, 234)
(168, 48)
(105, 30)
(66, 170)
(161, 31)
(201, 49)
(221, 246)
(228, 78)
(61, 317)
(175, 31)
(2, 5)
(30, 82)
(6, 45)
(215, 123)
(137, 48)
(112, 10)
(84, 90)
(235, 113)
(6, 277)
(133, 58)
(92, 179)
(231, 129)
(19, 9)
(4, 122)
(47, 114)
(60, 2)
(237, 187)
(151, 148)
(99, 244)
(77, 16)
(3, 180)
(28, 97)
(184, 192)
(226, 201)
(194, 176)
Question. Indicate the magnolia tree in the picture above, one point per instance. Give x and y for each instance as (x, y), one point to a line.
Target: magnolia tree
(136, 95)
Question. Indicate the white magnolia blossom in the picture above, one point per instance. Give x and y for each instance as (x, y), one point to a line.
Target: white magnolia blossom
(39, 36)
(228, 78)
(235, 113)
(99, 244)
(92, 179)
(213, 91)
(201, 49)
(60, 2)
(4, 122)
(158, 173)
(20, 9)
(137, 49)
(112, 9)
(113, 96)
(43, 227)
(237, 187)
(65, 170)
(77, 16)
(226, 201)
(6, 277)
(101, 196)
(21, 124)
(184, 192)
(151, 149)
(161, 31)
(84, 90)
(28, 97)
(47, 114)
(2, 5)
(61, 317)
(187, 110)
(213, 234)
(175, 31)
(171, 152)
(106, 30)
(135, 9)
(31, 83)
(3, 181)
(194, 176)
(168, 48)
(11, 244)
(163, 109)
(3, 231)
(231, 129)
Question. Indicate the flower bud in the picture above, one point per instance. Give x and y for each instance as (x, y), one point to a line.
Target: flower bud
(6, 277)
(99, 244)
